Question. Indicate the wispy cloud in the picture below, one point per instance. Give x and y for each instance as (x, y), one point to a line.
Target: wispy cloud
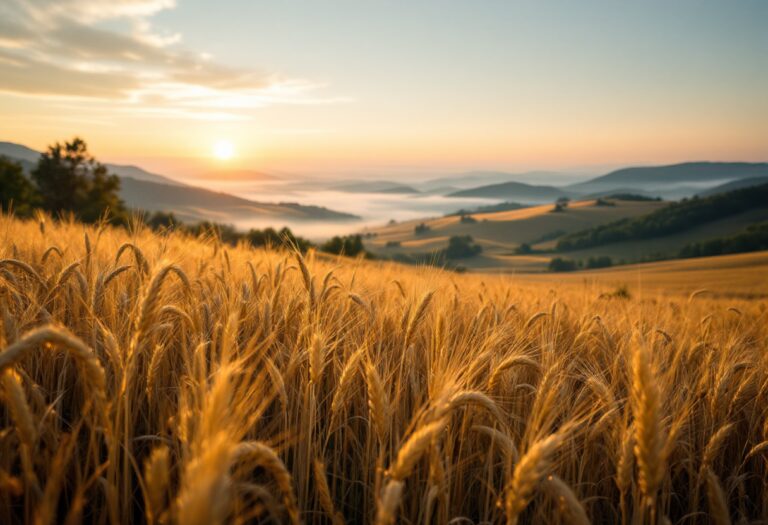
(108, 50)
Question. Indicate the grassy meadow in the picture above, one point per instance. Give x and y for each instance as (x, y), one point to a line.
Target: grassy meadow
(170, 379)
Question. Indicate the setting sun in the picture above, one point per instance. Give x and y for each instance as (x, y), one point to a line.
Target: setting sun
(223, 150)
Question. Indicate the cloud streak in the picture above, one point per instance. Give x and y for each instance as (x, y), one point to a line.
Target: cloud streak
(65, 49)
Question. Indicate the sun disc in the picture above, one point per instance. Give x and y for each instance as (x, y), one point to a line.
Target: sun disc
(223, 150)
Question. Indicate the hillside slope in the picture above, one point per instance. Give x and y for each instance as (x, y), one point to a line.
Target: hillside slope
(516, 191)
(655, 178)
(194, 204)
(677, 217)
(502, 232)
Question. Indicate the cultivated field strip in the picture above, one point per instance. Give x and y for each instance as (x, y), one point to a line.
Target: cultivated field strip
(165, 379)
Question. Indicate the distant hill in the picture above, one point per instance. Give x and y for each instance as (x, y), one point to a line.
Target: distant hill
(619, 191)
(18, 152)
(676, 217)
(374, 186)
(473, 179)
(656, 178)
(516, 191)
(137, 173)
(193, 204)
(147, 191)
(734, 185)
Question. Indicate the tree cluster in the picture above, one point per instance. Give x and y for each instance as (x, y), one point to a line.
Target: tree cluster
(66, 179)
(754, 239)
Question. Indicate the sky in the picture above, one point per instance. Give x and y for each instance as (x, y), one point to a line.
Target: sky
(374, 87)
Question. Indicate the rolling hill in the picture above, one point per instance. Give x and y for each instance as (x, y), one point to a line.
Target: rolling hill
(656, 178)
(734, 185)
(516, 191)
(502, 231)
(193, 204)
(473, 179)
(676, 217)
(374, 186)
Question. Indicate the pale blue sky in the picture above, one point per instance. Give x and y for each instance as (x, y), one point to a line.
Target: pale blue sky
(455, 83)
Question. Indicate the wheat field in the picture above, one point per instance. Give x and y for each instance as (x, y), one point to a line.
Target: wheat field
(165, 379)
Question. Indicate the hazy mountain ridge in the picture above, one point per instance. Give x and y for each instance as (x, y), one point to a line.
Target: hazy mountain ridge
(517, 191)
(683, 174)
(669, 181)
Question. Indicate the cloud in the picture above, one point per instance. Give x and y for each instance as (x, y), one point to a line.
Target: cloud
(19, 74)
(109, 50)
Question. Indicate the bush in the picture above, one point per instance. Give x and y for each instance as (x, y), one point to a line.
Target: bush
(631, 197)
(467, 219)
(462, 247)
(602, 261)
(160, 221)
(421, 228)
(350, 245)
(559, 264)
(524, 249)
(392, 244)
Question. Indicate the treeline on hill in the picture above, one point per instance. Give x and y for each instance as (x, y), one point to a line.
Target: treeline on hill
(68, 180)
(674, 218)
(754, 239)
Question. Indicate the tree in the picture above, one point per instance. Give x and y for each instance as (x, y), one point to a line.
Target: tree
(351, 245)
(68, 178)
(15, 189)
(421, 228)
(461, 247)
(558, 264)
(524, 249)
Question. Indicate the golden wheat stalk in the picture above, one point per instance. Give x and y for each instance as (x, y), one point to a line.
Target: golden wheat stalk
(533, 466)
(324, 493)
(264, 456)
(649, 432)
(378, 403)
(568, 503)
